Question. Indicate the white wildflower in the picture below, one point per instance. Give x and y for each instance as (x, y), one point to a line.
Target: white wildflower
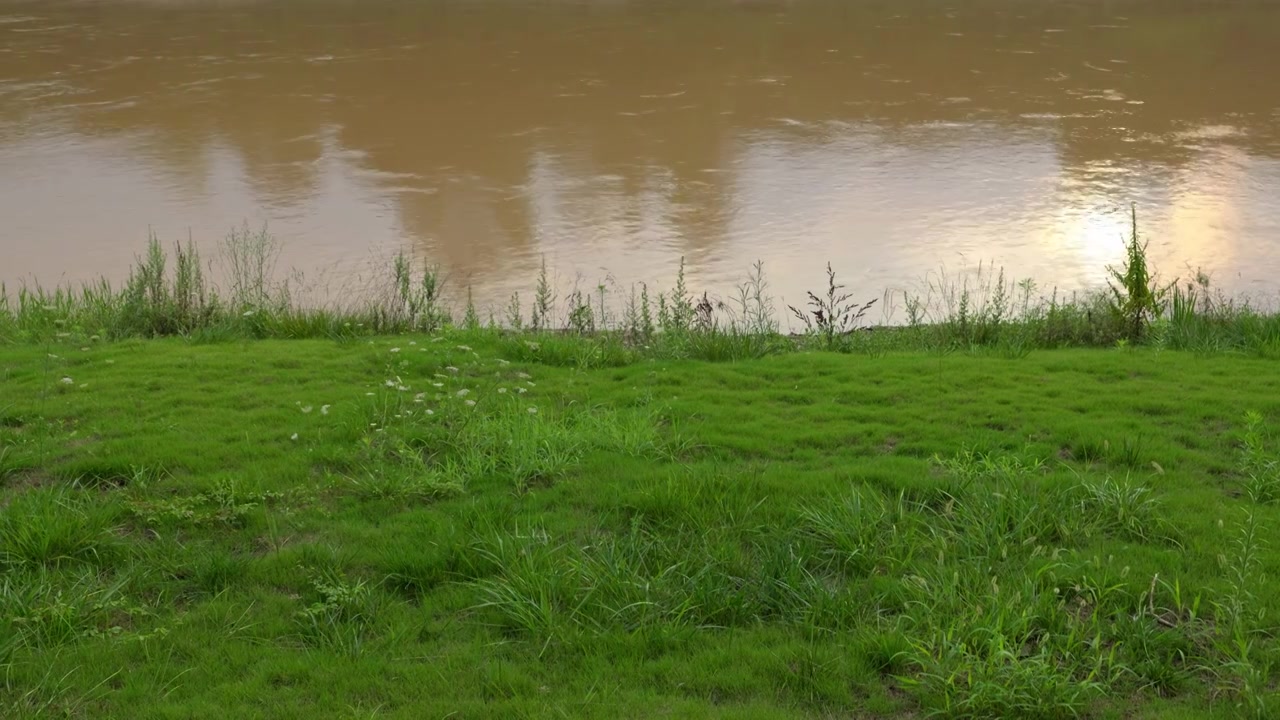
(463, 392)
(247, 313)
(420, 398)
(395, 350)
(293, 436)
(471, 403)
(521, 390)
(437, 385)
(68, 381)
(533, 410)
(324, 409)
(391, 383)
(502, 391)
(412, 342)
(429, 411)
(464, 348)
(523, 375)
(530, 383)
(503, 362)
(305, 409)
(452, 369)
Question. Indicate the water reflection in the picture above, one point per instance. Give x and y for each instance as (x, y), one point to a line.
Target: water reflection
(886, 138)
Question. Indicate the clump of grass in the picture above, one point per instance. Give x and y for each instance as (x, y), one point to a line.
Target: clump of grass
(1125, 510)
(971, 464)
(406, 476)
(155, 303)
(591, 352)
(50, 526)
(996, 675)
(859, 533)
(981, 308)
(1001, 499)
(341, 616)
(213, 570)
(44, 608)
(418, 292)
(466, 430)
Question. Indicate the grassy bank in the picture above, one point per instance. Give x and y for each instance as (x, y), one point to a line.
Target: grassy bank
(172, 293)
(485, 524)
(218, 500)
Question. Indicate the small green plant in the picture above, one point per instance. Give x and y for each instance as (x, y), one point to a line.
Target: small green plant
(754, 305)
(341, 616)
(1137, 298)
(249, 264)
(420, 303)
(582, 318)
(226, 503)
(544, 300)
(1261, 471)
(833, 315)
(471, 317)
(676, 309)
(514, 315)
(1247, 673)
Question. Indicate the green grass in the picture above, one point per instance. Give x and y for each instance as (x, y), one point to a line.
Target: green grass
(480, 524)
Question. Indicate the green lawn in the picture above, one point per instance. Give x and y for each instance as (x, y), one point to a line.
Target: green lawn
(311, 529)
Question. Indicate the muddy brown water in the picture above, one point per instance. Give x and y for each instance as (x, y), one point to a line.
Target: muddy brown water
(613, 137)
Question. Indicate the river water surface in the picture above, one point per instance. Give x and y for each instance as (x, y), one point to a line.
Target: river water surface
(613, 137)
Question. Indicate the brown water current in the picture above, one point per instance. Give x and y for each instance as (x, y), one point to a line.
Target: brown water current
(613, 137)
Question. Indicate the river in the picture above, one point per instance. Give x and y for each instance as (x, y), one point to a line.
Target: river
(613, 137)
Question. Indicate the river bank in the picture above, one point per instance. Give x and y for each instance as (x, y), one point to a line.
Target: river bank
(239, 294)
